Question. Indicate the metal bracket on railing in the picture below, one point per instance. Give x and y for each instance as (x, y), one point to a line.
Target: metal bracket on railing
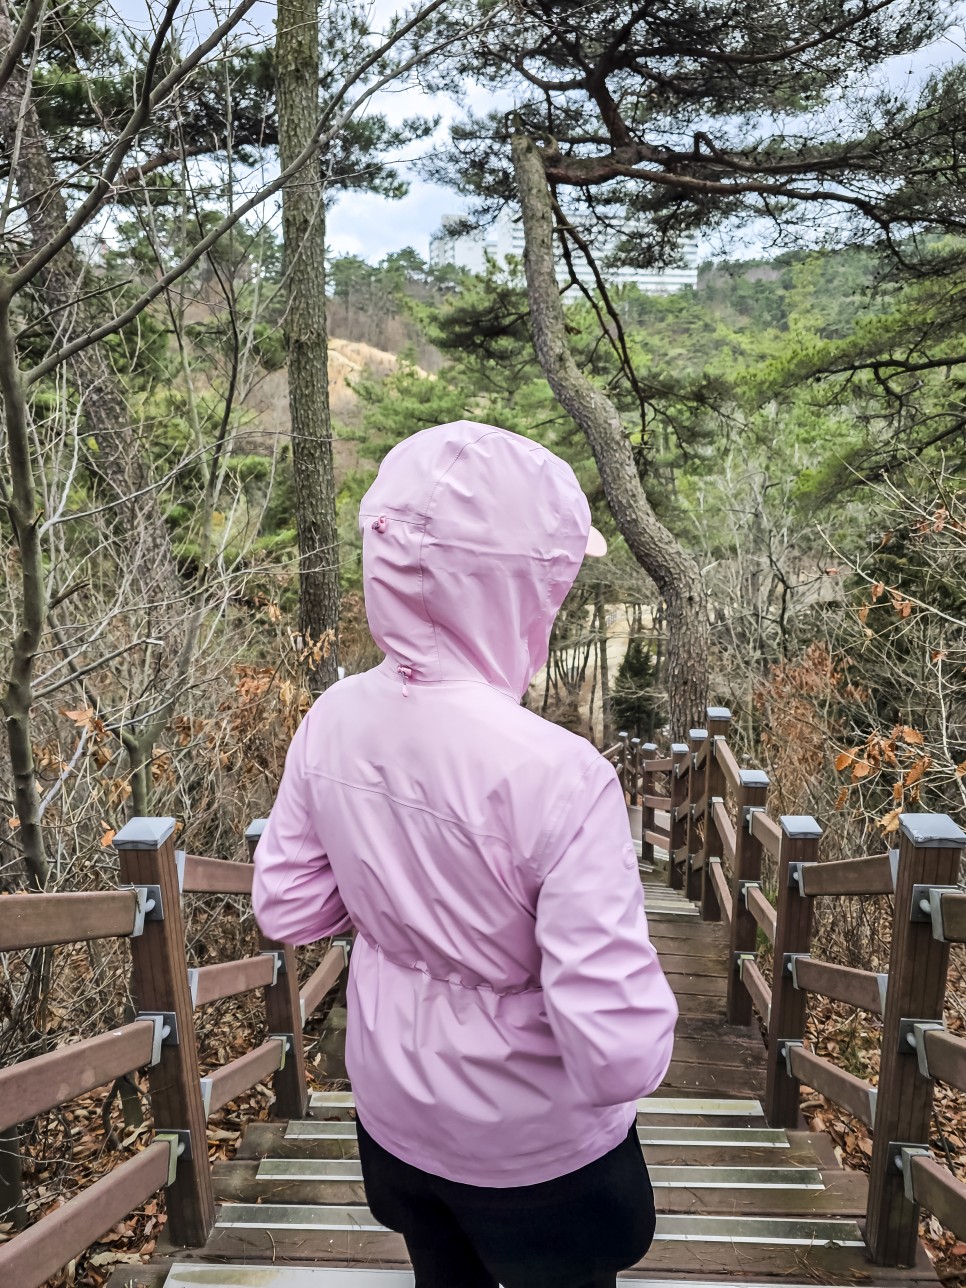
(288, 1044)
(747, 813)
(927, 905)
(149, 906)
(179, 865)
(345, 943)
(205, 1084)
(744, 887)
(165, 1031)
(179, 1144)
(785, 1048)
(790, 965)
(740, 959)
(278, 957)
(912, 1039)
(894, 865)
(902, 1156)
(795, 876)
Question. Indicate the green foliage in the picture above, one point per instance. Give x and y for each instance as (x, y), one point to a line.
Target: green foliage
(637, 700)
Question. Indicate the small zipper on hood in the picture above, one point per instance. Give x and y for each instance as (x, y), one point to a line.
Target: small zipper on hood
(406, 671)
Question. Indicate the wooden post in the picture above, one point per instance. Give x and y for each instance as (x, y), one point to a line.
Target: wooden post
(929, 855)
(635, 771)
(678, 827)
(793, 934)
(283, 1014)
(145, 852)
(695, 781)
(647, 751)
(714, 789)
(623, 767)
(752, 793)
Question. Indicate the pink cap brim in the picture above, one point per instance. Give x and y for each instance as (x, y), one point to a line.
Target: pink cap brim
(596, 544)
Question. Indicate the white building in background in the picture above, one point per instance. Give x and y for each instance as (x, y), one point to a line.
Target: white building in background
(504, 238)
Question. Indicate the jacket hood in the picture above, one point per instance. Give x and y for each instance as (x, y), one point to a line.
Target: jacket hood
(471, 538)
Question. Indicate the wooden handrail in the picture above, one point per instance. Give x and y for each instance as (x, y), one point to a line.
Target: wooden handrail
(722, 893)
(726, 829)
(240, 1075)
(657, 836)
(323, 978)
(938, 1191)
(845, 1089)
(701, 755)
(34, 1086)
(659, 765)
(861, 988)
(757, 986)
(729, 765)
(872, 875)
(946, 1057)
(656, 802)
(42, 920)
(34, 1255)
(228, 979)
(761, 910)
(767, 832)
(952, 909)
(200, 875)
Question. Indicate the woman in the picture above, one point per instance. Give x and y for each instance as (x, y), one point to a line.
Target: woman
(506, 1008)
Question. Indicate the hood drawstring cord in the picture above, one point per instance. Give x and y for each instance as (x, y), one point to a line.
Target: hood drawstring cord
(406, 671)
(380, 524)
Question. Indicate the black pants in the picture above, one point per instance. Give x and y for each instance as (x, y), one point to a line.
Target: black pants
(576, 1231)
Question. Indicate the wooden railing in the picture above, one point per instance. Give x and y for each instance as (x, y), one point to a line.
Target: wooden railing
(161, 1040)
(719, 864)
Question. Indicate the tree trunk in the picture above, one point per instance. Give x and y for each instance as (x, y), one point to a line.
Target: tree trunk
(119, 463)
(13, 1208)
(303, 229)
(23, 512)
(670, 567)
(605, 716)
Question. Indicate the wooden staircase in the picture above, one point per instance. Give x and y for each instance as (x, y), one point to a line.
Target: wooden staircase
(738, 1202)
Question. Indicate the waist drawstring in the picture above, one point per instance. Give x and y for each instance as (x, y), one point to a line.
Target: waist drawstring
(406, 671)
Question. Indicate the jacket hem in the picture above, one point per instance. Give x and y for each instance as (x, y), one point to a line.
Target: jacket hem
(534, 1170)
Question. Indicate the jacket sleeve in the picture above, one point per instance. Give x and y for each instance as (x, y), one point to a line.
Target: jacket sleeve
(294, 894)
(609, 1005)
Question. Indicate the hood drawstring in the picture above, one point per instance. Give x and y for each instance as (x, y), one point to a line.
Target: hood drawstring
(380, 524)
(406, 671)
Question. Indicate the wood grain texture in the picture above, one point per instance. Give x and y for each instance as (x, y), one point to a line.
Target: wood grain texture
(39, 920)
(36, 1085)
(918, 966)
(36, 1254)
(793, 933)
(871, 875)
(161, 984)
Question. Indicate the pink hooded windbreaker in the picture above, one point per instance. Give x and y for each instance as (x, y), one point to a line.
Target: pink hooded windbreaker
(506, 1007)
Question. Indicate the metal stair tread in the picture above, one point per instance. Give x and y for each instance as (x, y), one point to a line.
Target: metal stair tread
(662, 1176)
(706, 1106)
(198, 1275)
(761, 1137)
(756, 1230)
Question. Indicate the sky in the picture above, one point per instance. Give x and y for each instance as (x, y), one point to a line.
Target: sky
(371, 226)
